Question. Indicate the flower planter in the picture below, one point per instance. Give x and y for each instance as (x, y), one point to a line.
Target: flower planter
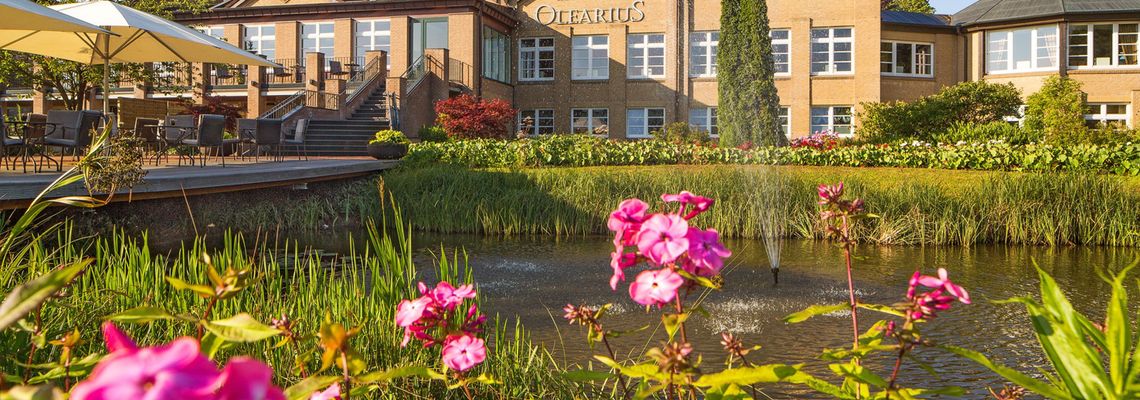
(387, 151)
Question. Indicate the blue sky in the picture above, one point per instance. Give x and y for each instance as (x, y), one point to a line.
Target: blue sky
(950, 6)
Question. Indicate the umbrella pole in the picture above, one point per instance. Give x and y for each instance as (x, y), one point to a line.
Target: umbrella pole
(106, 76)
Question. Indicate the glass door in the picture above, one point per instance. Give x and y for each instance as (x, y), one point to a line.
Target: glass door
(428, 33)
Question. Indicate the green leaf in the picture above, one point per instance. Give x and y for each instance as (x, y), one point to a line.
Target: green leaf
(1118, 333)
(29, 296)
(1012, 375)
(418, 371)
(882, 308)
(726, 392)
(241, 328)
(1062, 333)
(748, 375)
(673, 323)
(41, 392)
(212, 344)
(141, 315)
(813, 311)
(859, 373)
(303, 390)
(201, 290)
(584, 376)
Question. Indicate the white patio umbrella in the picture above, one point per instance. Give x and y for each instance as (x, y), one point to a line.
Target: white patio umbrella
(138, 37)
(24, 19)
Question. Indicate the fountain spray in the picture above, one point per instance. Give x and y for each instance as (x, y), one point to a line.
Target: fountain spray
(771, 216)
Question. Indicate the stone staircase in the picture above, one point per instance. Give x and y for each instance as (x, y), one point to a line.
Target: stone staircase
(349, 137)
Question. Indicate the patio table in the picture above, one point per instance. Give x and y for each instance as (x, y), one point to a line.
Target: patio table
(184, 132)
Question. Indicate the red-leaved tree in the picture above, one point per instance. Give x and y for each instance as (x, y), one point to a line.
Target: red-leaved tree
(467, 117)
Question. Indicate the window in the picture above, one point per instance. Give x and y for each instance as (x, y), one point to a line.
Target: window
(536, 59)
(782, 50)
(496, 52)
(646, 56)
(261, 39)
(836, 119)
(640, 122)
(832, 51)
(428, 33)
(704, 119)
(1097, 115)
(591, 57)
(702, 53)
(1021, 50)
(216, 31)
(317, 38)
(1103, 45)
(543, 120)
(907, 59)
(786, 121)
(372, 35)
(595, 121)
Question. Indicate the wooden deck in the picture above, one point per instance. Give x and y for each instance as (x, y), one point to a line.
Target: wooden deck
(18, 189)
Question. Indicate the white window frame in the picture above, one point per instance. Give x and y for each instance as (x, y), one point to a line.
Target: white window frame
(214, 31)
(496, 55)
(369, 37)
(316, 37)
(787, 43)
(591, 115)
(256, 43)
(707, 120)
(1104, 117)
(539, 120)
(1090, 58)
(592, 45)
(1035, 39)
(914, 59)
(831, 116)
(785, 120)
(703, 67)
(639, 45)
(831, 41)
(646, 129)
(534, 74)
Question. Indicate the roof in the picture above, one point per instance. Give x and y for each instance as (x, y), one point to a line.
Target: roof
(991, 11)
(917, 19)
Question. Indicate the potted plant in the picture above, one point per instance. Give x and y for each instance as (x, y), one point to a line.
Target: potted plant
(388, 145)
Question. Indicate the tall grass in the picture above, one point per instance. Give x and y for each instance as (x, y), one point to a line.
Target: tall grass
(359, 288)
(931, 208)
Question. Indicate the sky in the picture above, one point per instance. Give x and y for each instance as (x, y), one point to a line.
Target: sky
(950, 6)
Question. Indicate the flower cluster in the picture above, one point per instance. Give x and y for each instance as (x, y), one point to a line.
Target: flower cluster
(433, 319)
(664, 241)
(943, 295)
(822, 140)
(177, 370)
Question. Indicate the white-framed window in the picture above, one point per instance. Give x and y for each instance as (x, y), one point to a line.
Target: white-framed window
(536, 59)
(836, 119)
(372, 35)
(217, 32)
(786, 121)
(833, 51)
(590, 57)
(496, 52)
(782, 51)
(1022, 50)
(641, 122)
(1097, 115)
(702, 53)
(594, 121)
(645, 56)
(317, 38)
(1103, 45)
(906, 59)
(543, 121)
(261, 39)
(704, 119)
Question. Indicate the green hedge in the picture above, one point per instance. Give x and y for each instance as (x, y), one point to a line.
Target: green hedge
(581, 151)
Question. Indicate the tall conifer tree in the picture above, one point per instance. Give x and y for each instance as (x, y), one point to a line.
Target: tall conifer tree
(748, 109)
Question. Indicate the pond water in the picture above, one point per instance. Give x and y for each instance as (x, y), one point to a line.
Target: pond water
(533, 278)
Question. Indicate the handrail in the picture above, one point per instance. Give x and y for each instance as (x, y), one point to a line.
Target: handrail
(393, 111)
(287, 107)
(415, 73)
(363, 78)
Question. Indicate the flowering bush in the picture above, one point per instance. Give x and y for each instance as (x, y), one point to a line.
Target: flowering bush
(824, 140)
(429, 320)
(468, 117)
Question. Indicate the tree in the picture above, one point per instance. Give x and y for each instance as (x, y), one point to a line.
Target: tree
(916, 6)
(71, 81)
(468, 117)
(1057, 110)
(749, 107)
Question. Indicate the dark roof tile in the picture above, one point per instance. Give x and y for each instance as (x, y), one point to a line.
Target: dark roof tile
(989, 11)
(909, 18)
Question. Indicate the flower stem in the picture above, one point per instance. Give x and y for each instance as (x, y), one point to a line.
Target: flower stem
(621, 378)
(850, 282)
(467, 392)
(205, 315)
(32, 351)
(346, 375)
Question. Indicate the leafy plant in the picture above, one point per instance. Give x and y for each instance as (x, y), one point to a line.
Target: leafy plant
(1057, 111)
(681, 132)
(969, 102)
(389, 136)
(466, 117)
(1001, 131)
(433, 134)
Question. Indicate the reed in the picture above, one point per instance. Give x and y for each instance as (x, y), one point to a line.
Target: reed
(928, 207)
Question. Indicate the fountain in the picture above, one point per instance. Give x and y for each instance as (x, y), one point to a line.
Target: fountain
(772, 209)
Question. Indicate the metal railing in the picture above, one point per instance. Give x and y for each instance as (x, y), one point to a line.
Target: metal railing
(363, 78)
(393, 110)
(291, 72)
(322, 100)
(300, 100)
(170, 76)
(460, 73)
(340, 67)
(415, 73)
(222, 75)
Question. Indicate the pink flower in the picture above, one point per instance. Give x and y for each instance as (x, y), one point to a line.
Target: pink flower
(619, 262)
(448, 297)
(941, 282)
(662, 238)
(945, 292)
(117, 340)
(173, 371)
(331, 393)
(626, 221)
(830, 193)
(248, 379)
(461, 353)
(700, 204)
(706, 253)
(655, 287)
(411, 311)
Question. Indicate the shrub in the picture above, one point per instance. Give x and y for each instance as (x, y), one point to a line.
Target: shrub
(468, 117)
(389, 136)
(216, 106)
(681, 132)
(434, 133)
(971, 132)
(1057, 111)
(968, 102)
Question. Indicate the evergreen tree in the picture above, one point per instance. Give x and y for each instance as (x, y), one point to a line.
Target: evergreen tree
(748, 109)
(917, 6)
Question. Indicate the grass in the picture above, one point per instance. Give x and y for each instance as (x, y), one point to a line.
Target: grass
(916, 206)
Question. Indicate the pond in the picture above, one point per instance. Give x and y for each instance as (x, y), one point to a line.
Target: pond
(533, 278)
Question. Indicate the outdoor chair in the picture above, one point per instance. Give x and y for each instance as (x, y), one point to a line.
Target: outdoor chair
(176, 129)
(336, 69)
(246, 133)
(268, 134)
(8, 145)
(146, 131)
(211, 134)
(298, 139)
(75, 137)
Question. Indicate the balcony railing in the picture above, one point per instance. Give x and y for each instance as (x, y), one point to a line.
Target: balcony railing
(415, 73)
(290, 73)
(461, 73)
(227, 76)
(171, 76)
(341, 67)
